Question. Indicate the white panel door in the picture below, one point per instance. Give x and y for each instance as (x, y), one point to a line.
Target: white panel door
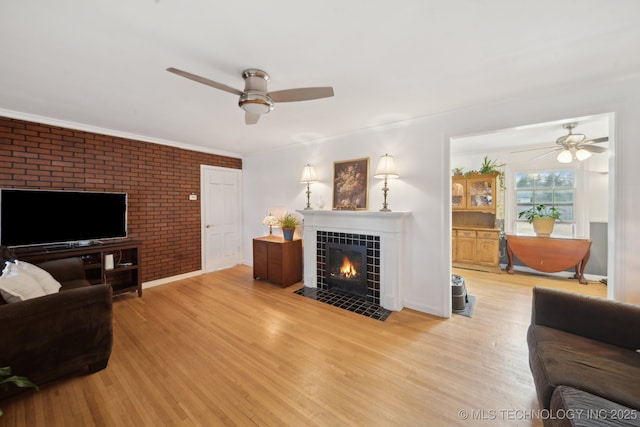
(220, 218)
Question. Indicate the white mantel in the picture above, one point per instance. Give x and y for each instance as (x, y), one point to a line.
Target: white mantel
(389, 226)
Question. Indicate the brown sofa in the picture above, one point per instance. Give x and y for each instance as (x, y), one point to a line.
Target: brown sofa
(55, 335)
(583, 354)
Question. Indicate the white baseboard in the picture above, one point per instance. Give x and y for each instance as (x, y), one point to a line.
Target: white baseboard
(425, 308)
(166, 280)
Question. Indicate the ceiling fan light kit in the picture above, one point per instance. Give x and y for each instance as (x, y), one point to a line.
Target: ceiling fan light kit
(573, 146)
(256, 100)
(255, 103)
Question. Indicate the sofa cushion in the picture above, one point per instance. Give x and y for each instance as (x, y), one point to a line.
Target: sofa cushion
(561, 358)
(70, 272)
(588, 316)
(571, 407)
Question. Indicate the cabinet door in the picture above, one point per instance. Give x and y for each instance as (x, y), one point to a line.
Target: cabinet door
(481, 193)
(466, 246)
(274, 267)
(292, 262)
(260, 260)
(488, 248)
(458, 193)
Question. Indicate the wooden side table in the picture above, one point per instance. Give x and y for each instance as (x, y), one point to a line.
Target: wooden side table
(277, 260)
(550, 255)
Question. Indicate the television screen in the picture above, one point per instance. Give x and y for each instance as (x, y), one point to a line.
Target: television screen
(34, 217)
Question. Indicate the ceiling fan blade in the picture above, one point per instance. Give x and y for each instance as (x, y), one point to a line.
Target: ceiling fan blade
(301, 94)
(532, 149)
(545, 154)
(597, 140)
(593, 148)
(251, 118)
(205, 81)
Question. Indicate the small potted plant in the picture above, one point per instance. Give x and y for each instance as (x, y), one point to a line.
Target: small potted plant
(492, 167)
(542, 217)
(6, 378)
(288, 222)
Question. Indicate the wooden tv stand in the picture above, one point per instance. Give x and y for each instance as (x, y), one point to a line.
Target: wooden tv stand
(125, 275)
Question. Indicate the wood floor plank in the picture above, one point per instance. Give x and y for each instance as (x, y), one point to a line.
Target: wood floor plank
(224, 349)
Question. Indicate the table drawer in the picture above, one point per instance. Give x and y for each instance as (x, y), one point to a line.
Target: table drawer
(488, 235)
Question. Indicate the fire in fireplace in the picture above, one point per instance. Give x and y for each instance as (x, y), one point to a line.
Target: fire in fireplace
(346, 268)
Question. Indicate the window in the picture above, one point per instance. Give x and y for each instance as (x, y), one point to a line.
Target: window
(555, 188)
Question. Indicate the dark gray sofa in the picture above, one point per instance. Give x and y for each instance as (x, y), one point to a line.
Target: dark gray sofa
(583, 354)
(51, 336)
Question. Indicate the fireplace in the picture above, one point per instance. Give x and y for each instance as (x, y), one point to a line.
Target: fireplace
(363, 254)
(381, 236)
(346, 268)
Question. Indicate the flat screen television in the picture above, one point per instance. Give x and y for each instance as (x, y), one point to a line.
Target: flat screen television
(37, 217)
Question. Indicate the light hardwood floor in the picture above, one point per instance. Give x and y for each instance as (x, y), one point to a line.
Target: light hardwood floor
(223, 349)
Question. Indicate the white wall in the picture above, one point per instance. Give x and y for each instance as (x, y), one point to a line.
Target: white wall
(421, 149)
(598, 181)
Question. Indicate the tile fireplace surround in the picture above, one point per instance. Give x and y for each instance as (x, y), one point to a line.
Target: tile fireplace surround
(388, 226)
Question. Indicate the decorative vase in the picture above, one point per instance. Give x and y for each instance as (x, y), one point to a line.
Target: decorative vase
(543, 226)
(288, 233)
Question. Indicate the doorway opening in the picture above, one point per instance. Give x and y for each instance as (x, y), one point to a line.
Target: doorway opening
(527, 149)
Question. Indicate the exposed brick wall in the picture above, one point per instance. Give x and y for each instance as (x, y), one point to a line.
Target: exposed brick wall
(157, 179)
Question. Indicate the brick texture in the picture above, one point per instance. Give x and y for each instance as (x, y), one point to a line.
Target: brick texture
(157, 179)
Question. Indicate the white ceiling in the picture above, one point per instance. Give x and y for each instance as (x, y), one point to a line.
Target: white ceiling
(101, 64)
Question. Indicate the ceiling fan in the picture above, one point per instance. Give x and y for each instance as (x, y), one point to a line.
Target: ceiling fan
(256, 99)
(572, 146)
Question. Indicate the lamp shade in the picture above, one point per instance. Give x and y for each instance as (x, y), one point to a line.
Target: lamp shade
(565, 156)
(270, 220)
(308, 174)
(386, 168)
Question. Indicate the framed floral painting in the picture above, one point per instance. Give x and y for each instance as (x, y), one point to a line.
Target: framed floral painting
(351, 184)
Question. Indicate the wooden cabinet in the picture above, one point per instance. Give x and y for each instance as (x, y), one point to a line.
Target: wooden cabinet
(474, 193)
(123, 277)
(475, 240)
(277, 260)
(476, 249)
